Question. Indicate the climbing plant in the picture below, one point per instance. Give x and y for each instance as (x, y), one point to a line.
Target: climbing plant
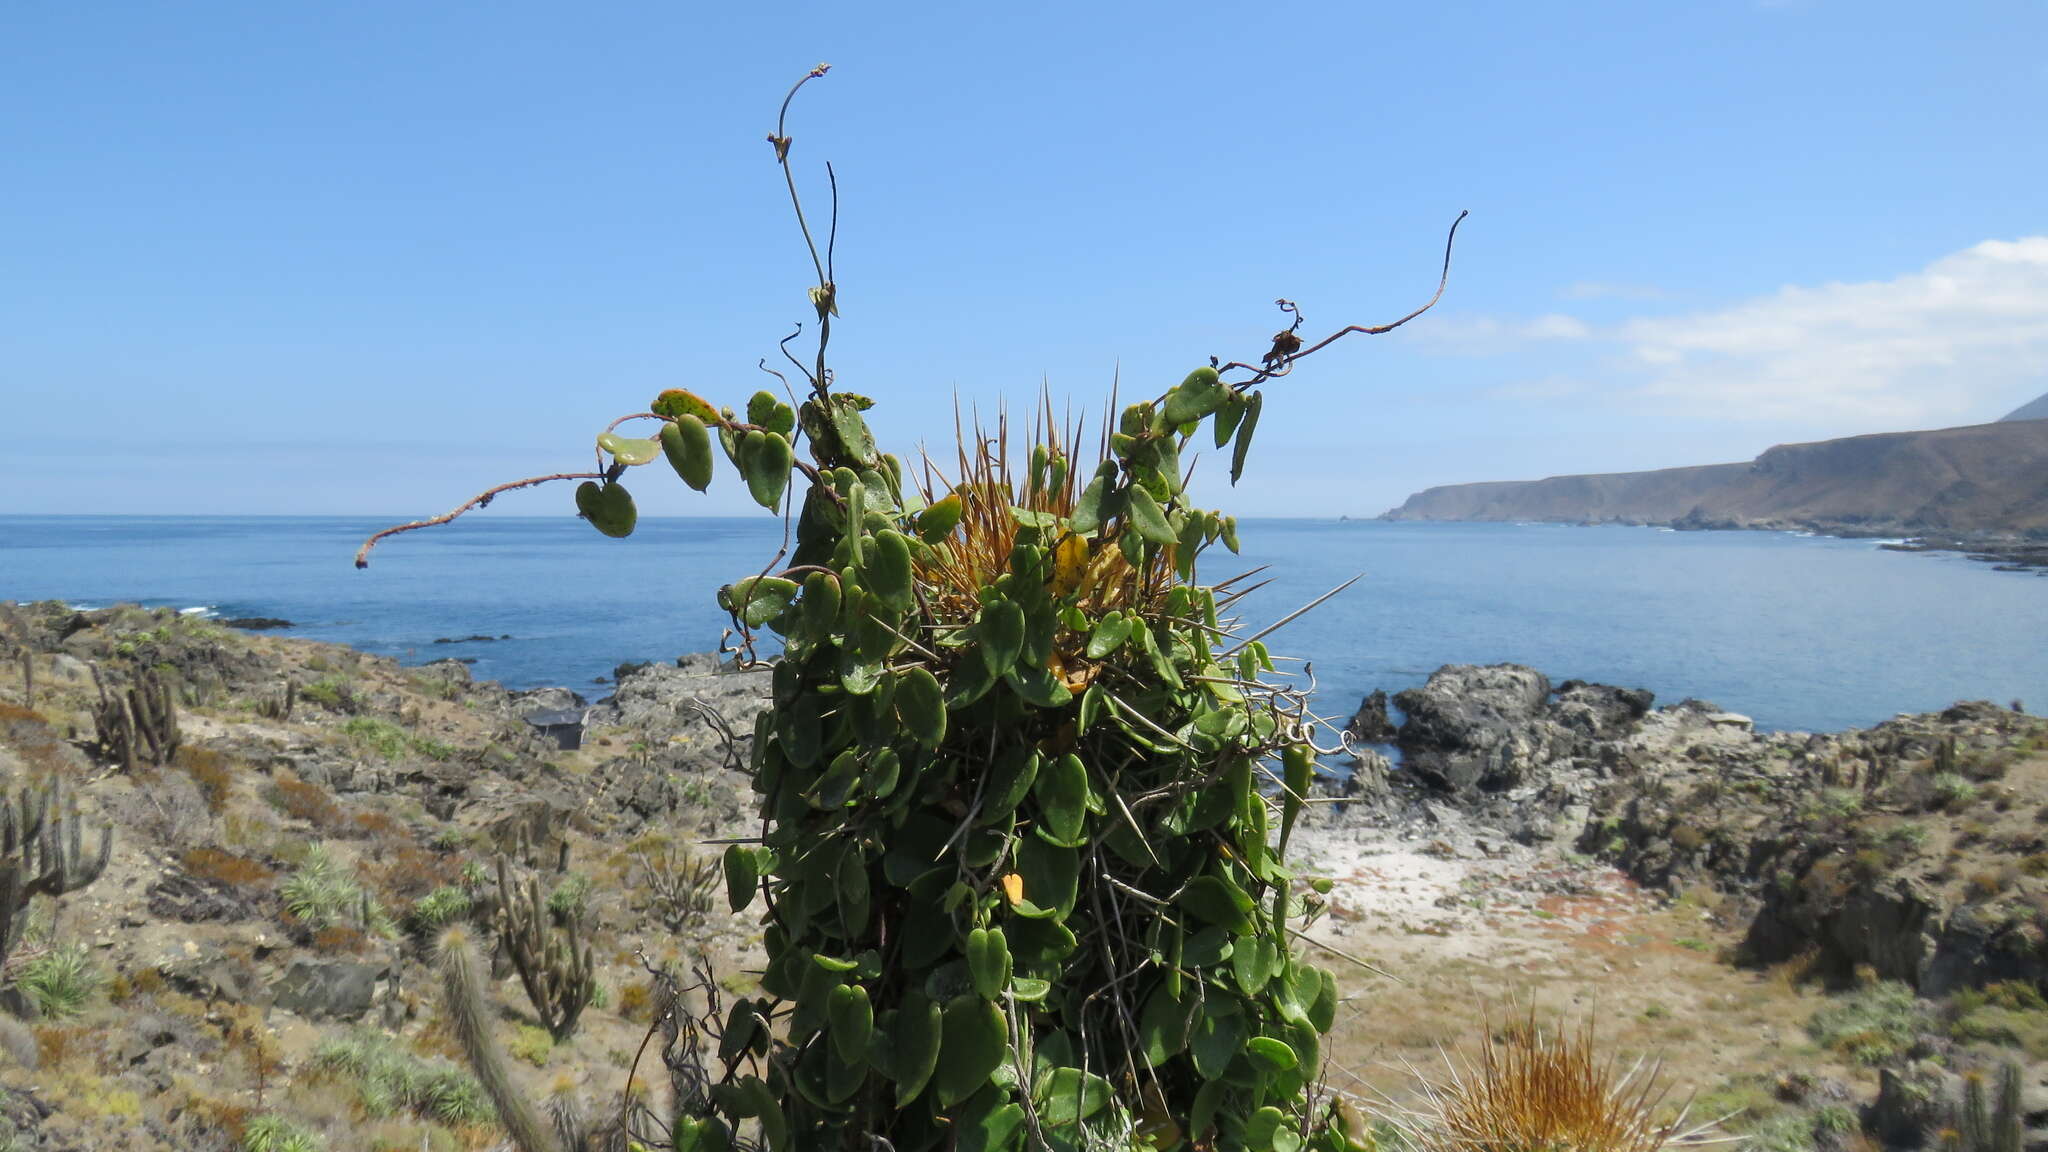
(1026, 793)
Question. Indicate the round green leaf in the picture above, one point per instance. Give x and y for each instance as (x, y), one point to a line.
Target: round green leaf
(921, 706)
(914, 1047)
(681, 402)
(852, 1017)
(687, 443)
(608, 507)
(975, 1038)
(938, 521)
(887, 570)
(1270, 1054)
(771, 413)
(1148, 518)
(742, 876)
(1000, 632)
(1062, 793)
(629, 450)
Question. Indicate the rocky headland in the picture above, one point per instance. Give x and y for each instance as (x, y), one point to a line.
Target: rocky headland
(1981, 489)
(258, 949)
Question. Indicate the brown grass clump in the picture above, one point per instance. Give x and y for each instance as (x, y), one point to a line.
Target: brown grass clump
(211, 771)
(401, 871)
(226, 868)
(1531, 1091)
(308, 802)
(341, 939)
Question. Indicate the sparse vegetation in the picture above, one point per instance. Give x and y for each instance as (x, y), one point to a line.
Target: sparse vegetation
(60, 981)
(1871, 1025)
(388, 1080)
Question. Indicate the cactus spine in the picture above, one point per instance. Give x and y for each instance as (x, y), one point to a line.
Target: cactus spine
(558, 978)
(463, 992)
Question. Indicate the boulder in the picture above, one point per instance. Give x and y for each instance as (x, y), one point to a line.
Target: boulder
(1475, 727)
(329, 989)
(1370, 725)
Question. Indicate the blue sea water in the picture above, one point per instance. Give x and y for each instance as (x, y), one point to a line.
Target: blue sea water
(1798, 632)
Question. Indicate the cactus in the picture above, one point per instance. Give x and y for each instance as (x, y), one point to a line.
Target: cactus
(1019, 869)
(1945, 755)
(1984, 1127)
(2009, 1122)
(138, 725)
(42, 854)
(28, 679)
(462, 988)
(279, 707)
(558, 978)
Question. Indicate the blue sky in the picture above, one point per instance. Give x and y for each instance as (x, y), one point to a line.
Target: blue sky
(369, 258)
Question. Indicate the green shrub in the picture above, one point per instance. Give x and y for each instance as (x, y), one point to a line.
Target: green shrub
(322, 891)
(273, 1133)
(389, 1080)
(329, 692)
(1870, 1025)
(381, 738)
(1951, 791)
(438, 909)
(570, 899)
(60, 982)
(531, 1044)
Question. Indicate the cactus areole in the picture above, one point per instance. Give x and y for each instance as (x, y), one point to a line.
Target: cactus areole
(1025, 796)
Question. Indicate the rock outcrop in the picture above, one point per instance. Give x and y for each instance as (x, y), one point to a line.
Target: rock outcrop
(1987, 478)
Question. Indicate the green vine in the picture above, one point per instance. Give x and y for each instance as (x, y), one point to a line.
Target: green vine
(1026, 794)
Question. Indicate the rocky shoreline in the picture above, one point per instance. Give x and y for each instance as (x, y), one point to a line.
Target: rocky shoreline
(1853, 848)
(1575, 828)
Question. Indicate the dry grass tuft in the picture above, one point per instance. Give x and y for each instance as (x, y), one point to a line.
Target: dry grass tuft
(1531, 1090)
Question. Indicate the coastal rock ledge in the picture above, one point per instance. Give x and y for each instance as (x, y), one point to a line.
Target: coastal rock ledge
(1915, 850)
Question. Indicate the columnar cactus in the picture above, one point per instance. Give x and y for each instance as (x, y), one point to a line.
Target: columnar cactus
(554, 964)
(139, 724)
(42, 854)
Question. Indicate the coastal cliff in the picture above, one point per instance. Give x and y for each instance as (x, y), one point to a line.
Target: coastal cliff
(1981, 479)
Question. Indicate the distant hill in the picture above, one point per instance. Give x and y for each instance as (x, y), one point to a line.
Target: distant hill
(1987, 478)
(2035, 409)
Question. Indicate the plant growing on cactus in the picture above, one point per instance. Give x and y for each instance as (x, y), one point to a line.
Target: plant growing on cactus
(1027, 794)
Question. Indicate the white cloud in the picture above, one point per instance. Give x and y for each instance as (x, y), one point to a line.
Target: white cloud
(1949, 343)
(1959, 341)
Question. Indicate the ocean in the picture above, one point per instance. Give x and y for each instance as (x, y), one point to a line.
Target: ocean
(1800, 633)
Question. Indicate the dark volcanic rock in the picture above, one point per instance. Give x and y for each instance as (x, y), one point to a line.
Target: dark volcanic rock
(1370, 725)
(1474, 727)
(342, 989)
(257, 623)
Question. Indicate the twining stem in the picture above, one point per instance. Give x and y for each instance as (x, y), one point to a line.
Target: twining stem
(480, 500)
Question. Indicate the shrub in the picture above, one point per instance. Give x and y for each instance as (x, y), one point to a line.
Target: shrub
(438, 909)
(226, 868)
(211, 771)
(531, 1044)
(1952, 791)
(331, 692)
(1687, 838)
(303, 801)
(322, 891)
(1870, 1025)
(59, 982)
(389, 1080)
(381, 738)
(273, 1133)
